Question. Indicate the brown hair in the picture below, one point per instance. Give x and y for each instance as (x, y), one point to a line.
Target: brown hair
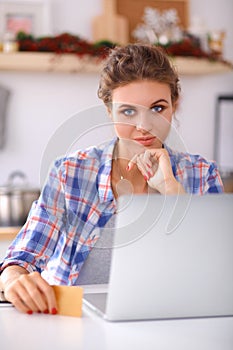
(135, 62)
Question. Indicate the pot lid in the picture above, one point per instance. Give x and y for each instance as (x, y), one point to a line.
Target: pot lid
(18, 186)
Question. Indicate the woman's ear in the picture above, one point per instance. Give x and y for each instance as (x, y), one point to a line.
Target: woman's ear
(175, 105)
(109, 110)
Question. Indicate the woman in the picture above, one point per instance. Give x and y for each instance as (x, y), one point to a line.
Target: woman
(140, 90)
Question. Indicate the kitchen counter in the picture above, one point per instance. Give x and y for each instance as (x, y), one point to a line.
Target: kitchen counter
(39, 331)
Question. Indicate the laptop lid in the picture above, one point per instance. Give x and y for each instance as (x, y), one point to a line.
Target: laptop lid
(172, 257)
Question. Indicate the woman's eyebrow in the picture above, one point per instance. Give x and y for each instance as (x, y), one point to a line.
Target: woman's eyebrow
(160, 100)
(125, 106)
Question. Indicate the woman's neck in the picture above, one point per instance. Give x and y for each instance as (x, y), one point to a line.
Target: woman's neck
(124, 181)
(126, 149)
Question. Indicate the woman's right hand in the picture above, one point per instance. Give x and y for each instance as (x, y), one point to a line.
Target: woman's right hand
(28, 292)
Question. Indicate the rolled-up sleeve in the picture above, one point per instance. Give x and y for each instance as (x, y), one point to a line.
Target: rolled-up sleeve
(36, 241)
(214, 181)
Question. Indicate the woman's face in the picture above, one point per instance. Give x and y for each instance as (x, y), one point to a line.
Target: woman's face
(142, 112)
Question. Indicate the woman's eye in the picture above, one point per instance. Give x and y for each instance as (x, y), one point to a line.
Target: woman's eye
(128, 112)
(157, 109)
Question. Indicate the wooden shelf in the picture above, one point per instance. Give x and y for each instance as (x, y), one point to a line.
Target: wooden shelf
(8, 233)
(199, 66)
(70, 63)
(48, 62)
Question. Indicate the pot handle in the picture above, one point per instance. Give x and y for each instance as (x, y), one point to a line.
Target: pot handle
(17, 174)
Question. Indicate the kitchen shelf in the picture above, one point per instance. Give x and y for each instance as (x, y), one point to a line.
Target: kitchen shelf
(200, 66)
(48, 62)
(71, 63)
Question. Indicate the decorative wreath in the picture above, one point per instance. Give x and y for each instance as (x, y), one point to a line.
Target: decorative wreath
(189, 46)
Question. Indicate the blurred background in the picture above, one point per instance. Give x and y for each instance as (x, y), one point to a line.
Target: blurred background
(40, 102)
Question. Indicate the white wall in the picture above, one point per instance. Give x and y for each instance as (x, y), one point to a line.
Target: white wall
(199, 93)
(41, 102)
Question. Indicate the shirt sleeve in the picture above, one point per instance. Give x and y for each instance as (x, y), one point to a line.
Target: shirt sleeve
(36, 241)
(196, 174)
(213, 180)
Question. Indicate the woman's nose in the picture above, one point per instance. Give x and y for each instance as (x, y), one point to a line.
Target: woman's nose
(144, 123)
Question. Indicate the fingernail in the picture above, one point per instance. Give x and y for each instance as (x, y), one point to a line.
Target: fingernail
(29, 312)
(46, 311)
(39, 312)
(54, 311)
(149, 166)
(146, 178)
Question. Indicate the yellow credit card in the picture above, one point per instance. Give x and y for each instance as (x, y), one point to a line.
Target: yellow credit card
(69, 300)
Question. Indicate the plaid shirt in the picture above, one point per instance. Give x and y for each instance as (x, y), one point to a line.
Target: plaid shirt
(77, 201)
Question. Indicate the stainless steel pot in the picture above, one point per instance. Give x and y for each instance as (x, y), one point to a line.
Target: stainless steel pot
(16, 198)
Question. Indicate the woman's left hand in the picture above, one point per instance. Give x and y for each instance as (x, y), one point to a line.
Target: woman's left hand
(156, 169)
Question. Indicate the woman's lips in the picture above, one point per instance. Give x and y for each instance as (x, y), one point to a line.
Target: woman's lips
(145, 141)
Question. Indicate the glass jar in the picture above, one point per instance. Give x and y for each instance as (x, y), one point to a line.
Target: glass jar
(9, 43)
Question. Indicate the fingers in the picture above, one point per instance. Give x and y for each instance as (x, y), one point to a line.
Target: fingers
(31, 293)
(145, 163)
(144, 167)
(32, 296)
(18, 303)
(132, 162)
(147, 156)
(22, 300)
(48, 291)
(155, 166)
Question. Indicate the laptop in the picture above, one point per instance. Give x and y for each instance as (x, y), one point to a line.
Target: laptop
(172, 257)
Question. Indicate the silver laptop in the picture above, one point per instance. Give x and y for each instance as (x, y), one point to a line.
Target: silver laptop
(172, 257)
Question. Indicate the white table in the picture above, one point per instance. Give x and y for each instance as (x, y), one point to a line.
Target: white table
(39, 331)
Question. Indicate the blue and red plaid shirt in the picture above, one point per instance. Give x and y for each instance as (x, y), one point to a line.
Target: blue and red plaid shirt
(77, 201)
